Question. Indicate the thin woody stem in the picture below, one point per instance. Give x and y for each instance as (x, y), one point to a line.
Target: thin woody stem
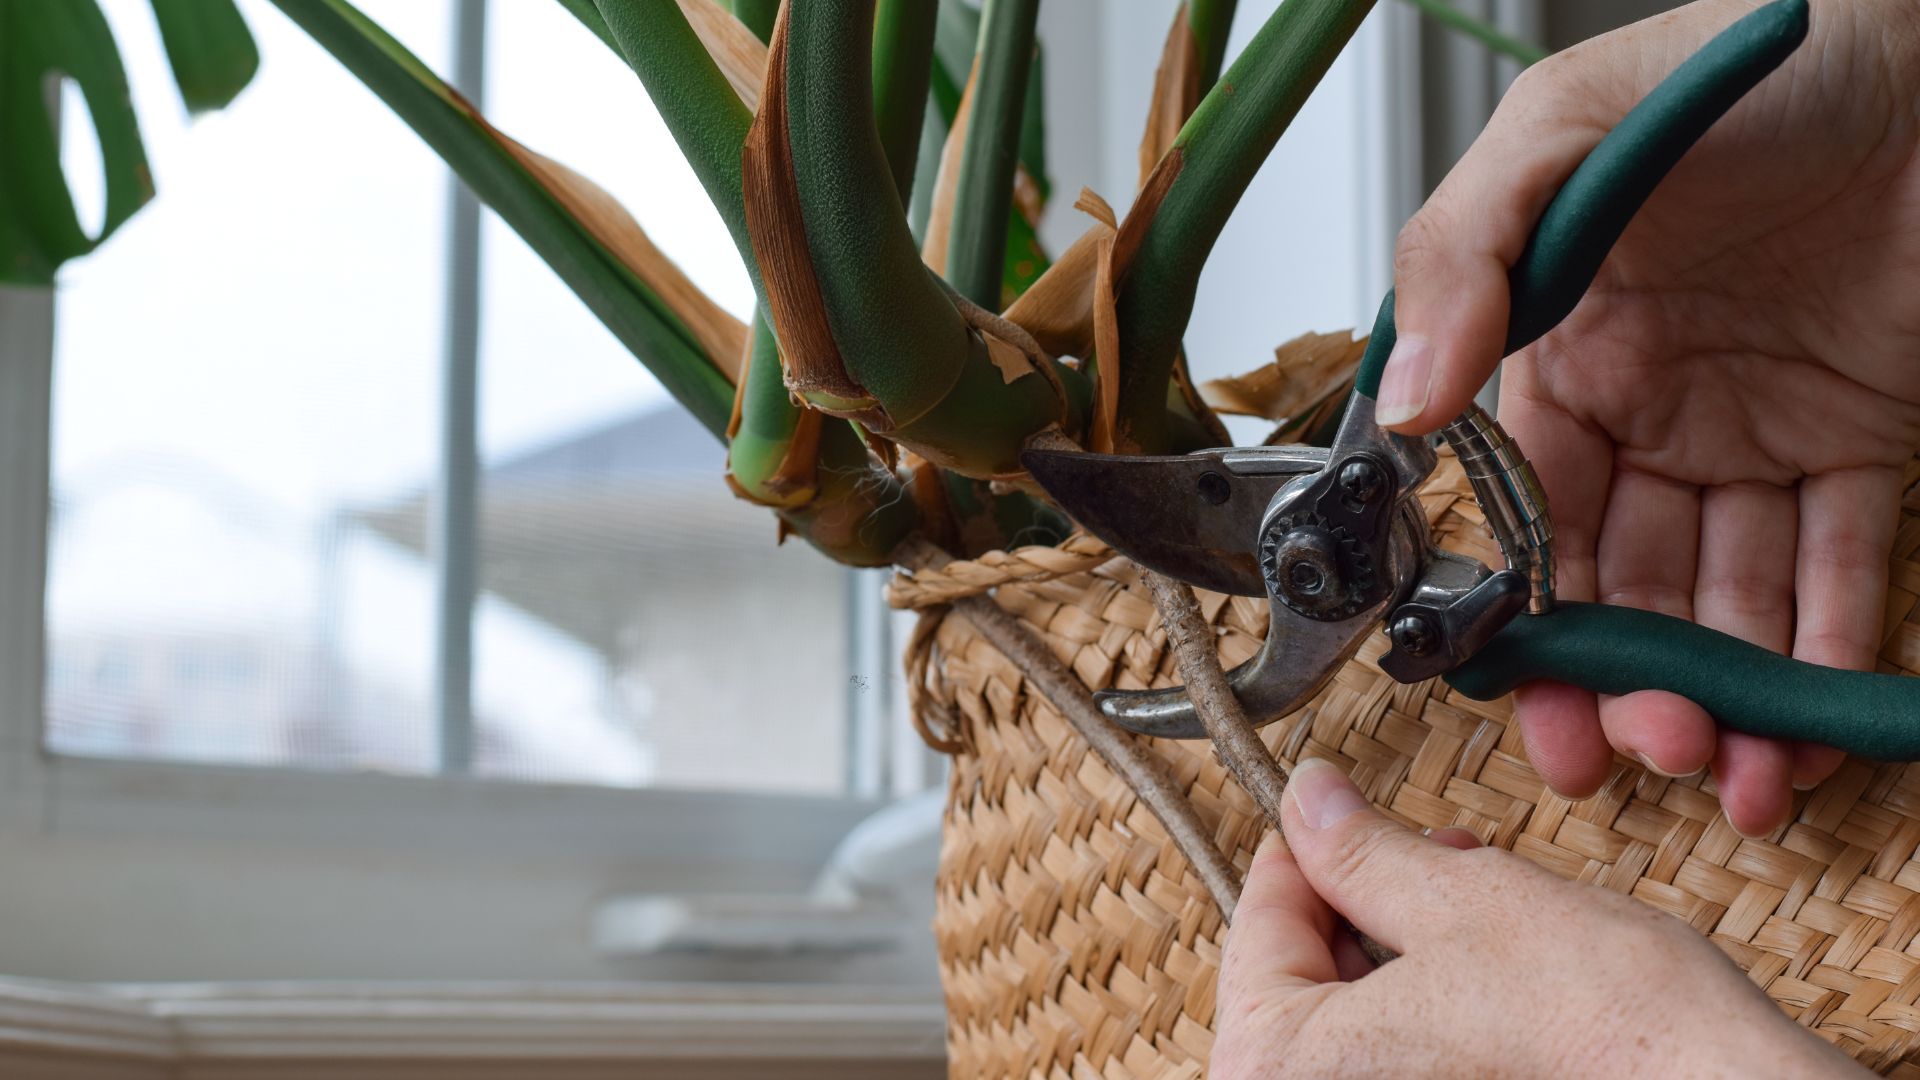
(1220, 712)
(1259, 772)
(1143, 772)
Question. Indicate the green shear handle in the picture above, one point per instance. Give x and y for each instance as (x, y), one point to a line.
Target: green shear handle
(1615, 650)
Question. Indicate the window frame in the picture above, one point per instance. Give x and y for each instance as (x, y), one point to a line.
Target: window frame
(43, 792)
(52, 793)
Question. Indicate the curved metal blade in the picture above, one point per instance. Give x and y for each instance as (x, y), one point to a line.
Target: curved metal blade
(1195, 517)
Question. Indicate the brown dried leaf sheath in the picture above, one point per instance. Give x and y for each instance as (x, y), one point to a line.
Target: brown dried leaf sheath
(1106, 351)
(946, 182)
(1176, 91)
(1146, 204)
(1197, 405)
(1057, 309)
(1304, 372)
(721, 336)
(736, 52)
(779, 238)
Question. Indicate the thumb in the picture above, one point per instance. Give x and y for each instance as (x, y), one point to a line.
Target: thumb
(1376, 872)
(1450, 264)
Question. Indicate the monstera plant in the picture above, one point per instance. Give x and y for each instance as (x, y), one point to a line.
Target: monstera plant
(880, 166)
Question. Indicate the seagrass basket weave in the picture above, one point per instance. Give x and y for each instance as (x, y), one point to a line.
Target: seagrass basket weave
(1076, 942)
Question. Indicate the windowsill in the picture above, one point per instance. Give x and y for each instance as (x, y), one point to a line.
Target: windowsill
(557, 1030)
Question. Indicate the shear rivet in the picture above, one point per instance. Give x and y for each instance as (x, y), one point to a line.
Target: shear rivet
(1214, 488)
(1360, 480)
(1413, 634)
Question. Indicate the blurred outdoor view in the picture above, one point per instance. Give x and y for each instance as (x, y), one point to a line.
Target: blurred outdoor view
(245, 428)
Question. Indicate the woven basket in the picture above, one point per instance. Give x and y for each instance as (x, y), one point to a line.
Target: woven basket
(1076, 942)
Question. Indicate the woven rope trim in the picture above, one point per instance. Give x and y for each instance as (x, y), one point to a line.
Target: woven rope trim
(930, 587)
(1075, 942)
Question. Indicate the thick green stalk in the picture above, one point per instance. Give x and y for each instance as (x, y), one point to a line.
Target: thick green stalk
(478, 154)
(589, 15)
(858, 512)
(956, 35)
(977, 246)
(1444, 14)
(757, 16)
(705, 116)
(1218, 152)
(902, 69)
(897, 333)
(861, 513)
(1210, 21)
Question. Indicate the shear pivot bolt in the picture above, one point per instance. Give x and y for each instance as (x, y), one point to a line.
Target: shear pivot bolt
(1360, 480)
(1414, 635)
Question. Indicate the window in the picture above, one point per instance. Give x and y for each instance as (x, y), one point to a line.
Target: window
(248, 462)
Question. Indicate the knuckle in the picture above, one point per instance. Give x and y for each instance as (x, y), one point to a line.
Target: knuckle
(1362, 852)
(1422, 239)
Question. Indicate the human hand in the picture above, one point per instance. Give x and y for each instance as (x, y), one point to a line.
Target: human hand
(1504, 969)
(1723, 422)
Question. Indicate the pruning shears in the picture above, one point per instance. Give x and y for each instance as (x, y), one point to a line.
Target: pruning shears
(1335, 539)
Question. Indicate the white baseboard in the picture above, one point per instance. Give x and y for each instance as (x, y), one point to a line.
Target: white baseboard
(575, 1031)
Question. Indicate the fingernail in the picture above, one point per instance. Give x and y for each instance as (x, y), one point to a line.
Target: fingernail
(1323, 793)
(1404, 384)
(1651, 767)
(1806, 785)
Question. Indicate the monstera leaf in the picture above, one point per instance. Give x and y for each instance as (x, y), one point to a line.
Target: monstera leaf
(41, 43)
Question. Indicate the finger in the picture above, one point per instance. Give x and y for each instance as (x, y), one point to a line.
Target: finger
(1752, 777)
(1456, 838)
(1349, 959)
(1560, 724)
(1377, 873)
(1281, 937)
(1450, 264)
(1649, 544)
(1847, 523)
(1648, 558)
(1811, 763)
(1749, 536)
(1663, 731)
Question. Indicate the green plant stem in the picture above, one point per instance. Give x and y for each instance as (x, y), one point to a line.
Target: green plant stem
(902, 69)
(757, 16)
(861, 513)
(447, 124)
(589, 15)
(1221, 146)
(1445, 14)
(977, 246)
(701, 110)
(1211, 21)
(898, 334)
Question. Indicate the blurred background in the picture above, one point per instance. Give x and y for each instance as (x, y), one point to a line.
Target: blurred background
(254, 761)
